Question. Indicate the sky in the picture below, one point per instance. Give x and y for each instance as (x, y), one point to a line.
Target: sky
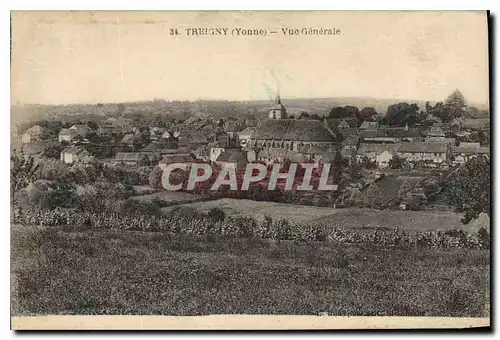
(84, 57)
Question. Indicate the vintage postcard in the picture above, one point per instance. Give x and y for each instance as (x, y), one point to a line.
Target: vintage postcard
(250, 170)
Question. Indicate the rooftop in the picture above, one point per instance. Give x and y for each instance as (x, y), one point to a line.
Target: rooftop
(292, 129)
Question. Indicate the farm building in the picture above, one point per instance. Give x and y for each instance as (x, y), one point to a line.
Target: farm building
(81, 129)
(67, 135)
(74, 154)
(392, 135)
(232, 158)
(466, 151)
(34, 134)
(381, 154)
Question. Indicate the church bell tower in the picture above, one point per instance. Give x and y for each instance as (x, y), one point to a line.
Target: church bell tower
(277, 111)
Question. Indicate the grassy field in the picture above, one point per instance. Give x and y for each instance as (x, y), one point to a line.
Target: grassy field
(57, 271)
(352, 217)
(168, 196)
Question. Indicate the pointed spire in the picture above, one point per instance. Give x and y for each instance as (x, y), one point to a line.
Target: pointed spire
(278, 99)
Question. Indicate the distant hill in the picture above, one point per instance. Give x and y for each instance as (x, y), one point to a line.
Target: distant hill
(214, 108)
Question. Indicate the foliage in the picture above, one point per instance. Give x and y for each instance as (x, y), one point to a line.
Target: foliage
(23, 171)
(343, 112)
(469, 188)
(456, 100)
(367, 114)
(155, 177)
(190, 221)
(217, 214)
(56, 271)
(401, 114)
(367, 163)
(53, 151)
(396, 162)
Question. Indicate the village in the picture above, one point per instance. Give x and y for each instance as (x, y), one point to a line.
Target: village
(370, 159)
(343, 171)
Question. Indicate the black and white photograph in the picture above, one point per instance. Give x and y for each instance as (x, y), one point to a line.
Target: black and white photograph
(250, 170)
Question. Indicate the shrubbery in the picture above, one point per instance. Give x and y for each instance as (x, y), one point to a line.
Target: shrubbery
(147, 217)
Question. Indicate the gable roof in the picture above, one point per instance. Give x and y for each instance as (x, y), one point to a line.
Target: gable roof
(247, 131)
(393, 132)
(74, 150)
(174, 158)
(470, 149)
(293, 129)
(128, 156)
(130, 138)
(424, 147)
(368, 125)
(365, 148)
(231, 156)
(68, 132)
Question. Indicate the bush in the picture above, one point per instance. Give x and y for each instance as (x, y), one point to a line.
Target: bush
(147, 217)
(217, 214)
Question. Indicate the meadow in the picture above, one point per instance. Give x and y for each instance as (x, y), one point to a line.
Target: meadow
(351, 217)
(58, 270)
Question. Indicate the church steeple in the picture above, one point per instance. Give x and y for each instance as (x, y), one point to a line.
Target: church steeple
(277, 111)
(278, 99)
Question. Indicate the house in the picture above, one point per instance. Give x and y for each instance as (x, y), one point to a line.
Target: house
(275, 155)
(351, 142)
(81, 129)
(368, 125)
(106, 128)
(432, 153)
(467, 151)
(251, 121)
(440, 140)
(215, 150)
(131, 139)
(232, 158)
(348, 132)
(67, 135)
(231, 129)
(74, 154)
(133, 158)
(436, 132)
(244, 136)
(342, 123)
(380, 154)
(34, 134)
(392, 135)
(168, 159)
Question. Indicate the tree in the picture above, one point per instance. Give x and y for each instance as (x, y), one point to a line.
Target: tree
(456, 100)
(303, 115)
(367, 113)
(316, 117)
(53, 151)
(396, 162)
(367, 163)
(468, 190)
(23, 171)
(155, 177)
(343, 112)
(401, 114)
(145, 161)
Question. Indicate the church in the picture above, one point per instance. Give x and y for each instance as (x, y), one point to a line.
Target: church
(278, 138)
